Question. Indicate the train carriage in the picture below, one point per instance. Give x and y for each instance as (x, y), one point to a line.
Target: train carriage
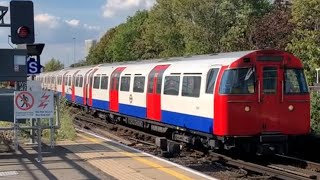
(252, 98)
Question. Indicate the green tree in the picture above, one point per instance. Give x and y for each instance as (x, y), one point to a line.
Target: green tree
(53, 65)
(306, 37)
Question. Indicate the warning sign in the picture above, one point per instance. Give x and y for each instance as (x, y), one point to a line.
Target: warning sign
(35, 104)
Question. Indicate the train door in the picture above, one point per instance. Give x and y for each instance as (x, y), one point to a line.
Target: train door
(73, 95)
(63, 84)
(85, 87)
(270, 87)
(89, 87)
(114, 89)
(154, 92)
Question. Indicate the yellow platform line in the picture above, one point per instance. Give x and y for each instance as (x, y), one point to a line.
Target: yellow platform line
(140, 159)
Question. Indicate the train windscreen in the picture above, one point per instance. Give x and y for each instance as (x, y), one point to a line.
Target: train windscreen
(295, 82)
(238, 81)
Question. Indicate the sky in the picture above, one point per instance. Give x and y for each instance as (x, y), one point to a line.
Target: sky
(64, 25)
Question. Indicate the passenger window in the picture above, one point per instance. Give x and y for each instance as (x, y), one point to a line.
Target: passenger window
(191, 86)
(138, 85)
(104, 82)
(171, 85)
(80, 81)
(211, 79)
(270, 80)
(125, 84)
(96, 82)
(66, 81)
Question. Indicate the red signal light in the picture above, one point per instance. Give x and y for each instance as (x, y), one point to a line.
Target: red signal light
(23, 32)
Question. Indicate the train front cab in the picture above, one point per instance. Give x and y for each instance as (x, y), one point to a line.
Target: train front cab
(263, 98)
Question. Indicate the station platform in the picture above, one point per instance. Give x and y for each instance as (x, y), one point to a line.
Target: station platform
(91, 157)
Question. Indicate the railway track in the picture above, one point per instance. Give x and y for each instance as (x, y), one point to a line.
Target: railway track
(269, 168)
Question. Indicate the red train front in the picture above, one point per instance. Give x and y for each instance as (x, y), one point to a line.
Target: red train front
(262, 95)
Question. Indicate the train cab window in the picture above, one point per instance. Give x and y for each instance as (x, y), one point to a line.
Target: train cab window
(125, 83)
(104, 82)
(270, 76)
(138, 84)
(295, 82)
(80, 83)
(238, 81)
(171, 85)
(191, 86)
(211, 79)
(96, 82)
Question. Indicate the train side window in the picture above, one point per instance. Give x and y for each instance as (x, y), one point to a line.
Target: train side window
(104, 82)
(96, 82)
(191, 86)
(138, 84)
(125, 83)
(77, 81)
(80, 81)
(151, 81)
(211, 80)
(171, 85)
(66, 81)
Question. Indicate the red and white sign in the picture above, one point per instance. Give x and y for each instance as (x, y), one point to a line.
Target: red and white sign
(35, 104)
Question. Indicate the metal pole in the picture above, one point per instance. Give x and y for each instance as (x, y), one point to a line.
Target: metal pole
(51, 133)
(74, 50)
(39, 160)
(32, 132)
(15, 124)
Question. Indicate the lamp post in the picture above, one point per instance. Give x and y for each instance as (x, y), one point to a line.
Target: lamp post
(74, 50)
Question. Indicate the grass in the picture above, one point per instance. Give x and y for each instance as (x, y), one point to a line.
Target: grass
(67, 130)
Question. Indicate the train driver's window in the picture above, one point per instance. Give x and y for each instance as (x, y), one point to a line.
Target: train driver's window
(138, 84)
(238, 81)
(191, 86)
(295, 81)
(96, 82)
(171, 85)
(211, 79)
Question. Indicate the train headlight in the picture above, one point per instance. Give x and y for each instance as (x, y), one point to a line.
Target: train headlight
(247, 108)
(291, 108)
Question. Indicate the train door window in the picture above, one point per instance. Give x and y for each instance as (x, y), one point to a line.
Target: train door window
(69, 81)
(270, 76)
(191, 86)
(171, 85)
(77, 82)
(80, 81)
(151, 81)
(104, 82)
(66, 81)
(295, 82)
(96, 82)
(211, 79)
(138, 84)
(125, 83)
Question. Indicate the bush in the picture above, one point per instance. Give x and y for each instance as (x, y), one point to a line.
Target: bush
(315, 112)
(67, 130)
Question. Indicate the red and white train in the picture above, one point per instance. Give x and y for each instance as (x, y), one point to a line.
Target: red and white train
(253, 99)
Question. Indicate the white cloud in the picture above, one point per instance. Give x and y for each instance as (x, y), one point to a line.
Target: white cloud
(73, 22)
(95, 28)
(113, 7)
(47, 20)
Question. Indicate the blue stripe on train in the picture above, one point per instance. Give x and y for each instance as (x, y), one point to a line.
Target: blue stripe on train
(79, 100)
(196, 123)
(99, 104)
(68, 97)
(135, 111)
